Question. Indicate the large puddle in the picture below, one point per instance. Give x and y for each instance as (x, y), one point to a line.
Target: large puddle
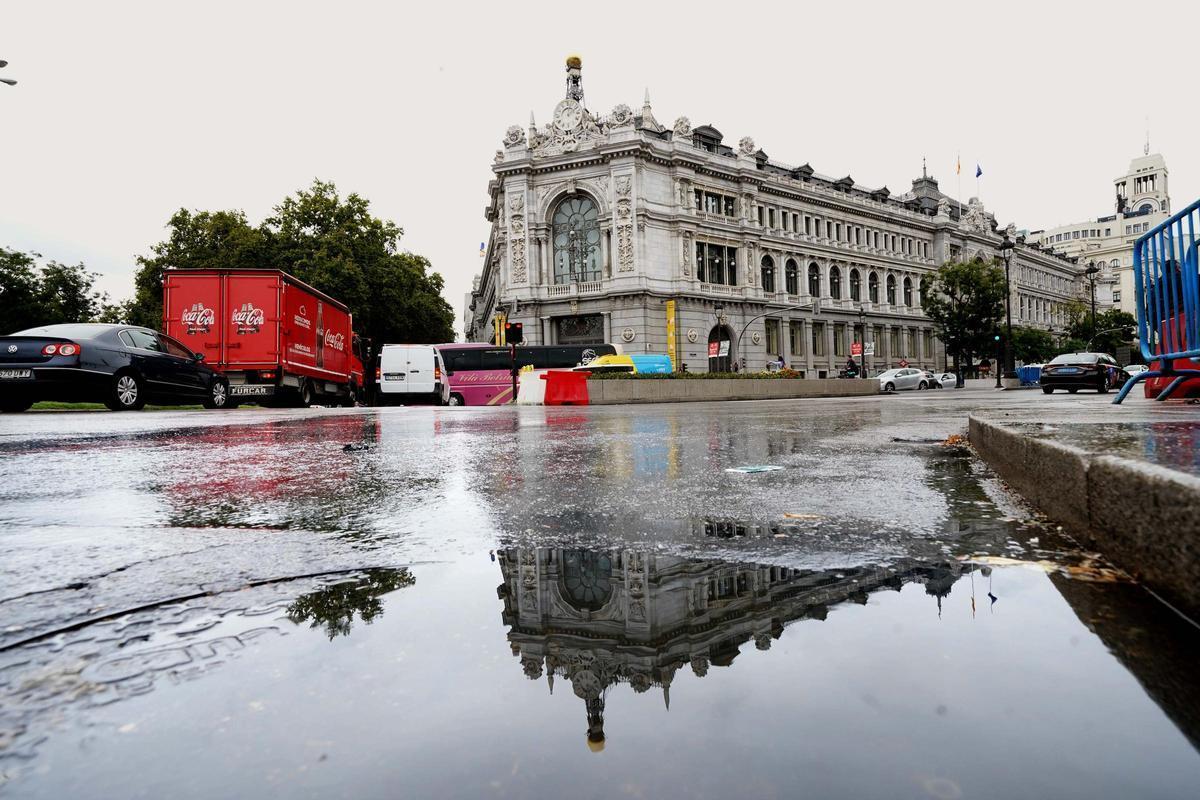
(870, 620)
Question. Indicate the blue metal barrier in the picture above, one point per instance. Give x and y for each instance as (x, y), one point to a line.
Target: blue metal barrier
(1030, 375)
(1166, 281)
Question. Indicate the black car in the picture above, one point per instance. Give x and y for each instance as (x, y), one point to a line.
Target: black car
(122, 366)
(1075, 371)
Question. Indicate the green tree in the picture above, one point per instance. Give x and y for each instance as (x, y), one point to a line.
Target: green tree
(45, 295)
(332, 243)
(965, 300)
(1032, 345)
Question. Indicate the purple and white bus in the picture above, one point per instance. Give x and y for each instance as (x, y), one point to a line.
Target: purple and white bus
(478, 374)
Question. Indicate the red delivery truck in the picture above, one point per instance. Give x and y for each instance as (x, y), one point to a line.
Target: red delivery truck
(275, 339)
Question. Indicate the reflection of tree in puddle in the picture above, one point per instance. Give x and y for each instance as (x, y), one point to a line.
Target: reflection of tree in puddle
(602, 618)
(334, 607)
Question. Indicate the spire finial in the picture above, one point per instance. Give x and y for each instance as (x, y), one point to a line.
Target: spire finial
(1146, 149)
(647, 103)
(924, 174)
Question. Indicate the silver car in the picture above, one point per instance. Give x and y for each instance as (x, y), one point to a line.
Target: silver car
(896, 380)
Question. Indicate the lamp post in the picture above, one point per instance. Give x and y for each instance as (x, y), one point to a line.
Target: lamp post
(1006, 250)
(1091, 272)
(862, 322)
(719, 311)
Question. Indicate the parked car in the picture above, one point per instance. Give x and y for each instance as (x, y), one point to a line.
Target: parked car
(894, 380)
(1136, 369)
(122, 366)
(1075, 371)
(945, 380)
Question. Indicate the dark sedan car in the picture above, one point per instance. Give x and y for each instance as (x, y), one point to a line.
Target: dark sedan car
(122, 366)
(1075, 371)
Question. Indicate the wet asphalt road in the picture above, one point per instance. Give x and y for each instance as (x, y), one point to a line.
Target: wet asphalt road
(234, 604)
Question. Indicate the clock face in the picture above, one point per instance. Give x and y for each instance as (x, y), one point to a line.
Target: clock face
(568, 115)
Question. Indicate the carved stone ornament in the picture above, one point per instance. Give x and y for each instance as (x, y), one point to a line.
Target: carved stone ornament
(573, 127)
(746, 146)
(498, 157)
(692, 335)
(624, 185)
(976, 218)
(574, 306)
(944, 207)
(517, 203)
(625, 243)
(699, 666)
(628, 335)
(683, 127)
(621, 117)
(685, 260)
(1011, 231)
(514, 136)
(586, 685)
(755, 337)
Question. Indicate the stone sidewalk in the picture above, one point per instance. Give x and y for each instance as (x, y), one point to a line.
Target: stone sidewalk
(1124, 479)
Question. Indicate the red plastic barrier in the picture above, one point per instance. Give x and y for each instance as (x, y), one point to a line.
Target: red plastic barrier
(566, 388)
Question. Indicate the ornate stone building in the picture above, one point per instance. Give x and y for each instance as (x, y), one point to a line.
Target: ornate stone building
(600, 221)
(598, 619)
(1140, 202)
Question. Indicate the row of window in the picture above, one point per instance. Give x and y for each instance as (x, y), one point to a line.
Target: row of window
(901, 343)
(1039, 309)
(1036, 277)
(1085, 233)
(791, 284)
(795, 222)
(1140, 227)
(714, 203)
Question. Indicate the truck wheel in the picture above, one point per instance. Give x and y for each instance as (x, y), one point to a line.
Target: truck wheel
(307, 395)
(127, 392)
(456, 399)
(218, 397)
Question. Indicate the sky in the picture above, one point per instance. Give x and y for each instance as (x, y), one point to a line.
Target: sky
(126, 111)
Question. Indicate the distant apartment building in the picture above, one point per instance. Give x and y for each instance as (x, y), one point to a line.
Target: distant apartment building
(1141, 201)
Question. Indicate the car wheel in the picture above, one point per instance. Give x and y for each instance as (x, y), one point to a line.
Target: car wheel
(127, 392)
(922, 385)
(218, 396)
(456, 400)
(15, 405)
(1047, 390)
(889, 387)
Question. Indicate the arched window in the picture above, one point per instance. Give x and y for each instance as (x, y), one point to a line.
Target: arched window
(576, 241)
(1146, 208)
(908, 291)
(873, 287)
(835, 283)
(768, 274)
(891, 289)
(814, 280)
(792, 277)
(1115, 263)
(855, 285)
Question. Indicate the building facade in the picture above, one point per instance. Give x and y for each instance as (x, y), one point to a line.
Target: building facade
(617, 228)
(1141, 201)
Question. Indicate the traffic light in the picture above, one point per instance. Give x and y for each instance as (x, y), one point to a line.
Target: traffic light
(513, 333)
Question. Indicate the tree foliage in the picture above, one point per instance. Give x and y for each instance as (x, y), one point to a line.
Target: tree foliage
(49, 294)
(965, 300)
(1032, 345)
(1113, 328)
(332, 243)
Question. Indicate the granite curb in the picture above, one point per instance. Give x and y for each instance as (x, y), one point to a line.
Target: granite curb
(1143, 517)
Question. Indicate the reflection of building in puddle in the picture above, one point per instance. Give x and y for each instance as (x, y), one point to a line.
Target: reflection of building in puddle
(601, 618)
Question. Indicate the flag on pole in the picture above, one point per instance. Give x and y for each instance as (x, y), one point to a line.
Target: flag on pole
(481, 249)
(958, 167)
(978, 170)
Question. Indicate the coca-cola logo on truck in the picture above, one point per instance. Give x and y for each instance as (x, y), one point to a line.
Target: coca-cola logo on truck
(198, 319)
(335, 340)
(302, 319)
(248, 319)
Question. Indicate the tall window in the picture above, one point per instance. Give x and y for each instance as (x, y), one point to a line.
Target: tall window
(716, 263)
(855, 285)
(835, 283)
(796, 338)
(773, 341)
(839, 339)
(908, 292)
(818, 338)
(576, 241)
(873, 287)
(894, 350)
(792, 277)
(814, 280)
(768, 274)
(891, 289)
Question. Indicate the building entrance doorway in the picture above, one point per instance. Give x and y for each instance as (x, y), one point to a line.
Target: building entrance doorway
(720, 349)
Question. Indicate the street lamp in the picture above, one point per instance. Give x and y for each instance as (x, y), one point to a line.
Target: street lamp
(719, 311)
(9, 81)
(1091, 272)
(1006, 250)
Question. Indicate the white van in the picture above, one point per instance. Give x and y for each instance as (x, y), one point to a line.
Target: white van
(407, 373)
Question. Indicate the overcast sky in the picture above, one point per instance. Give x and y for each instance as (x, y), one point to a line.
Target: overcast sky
(127, 111)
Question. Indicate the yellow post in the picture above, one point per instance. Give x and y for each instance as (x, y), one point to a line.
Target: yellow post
(501, 318)
(671, 335)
